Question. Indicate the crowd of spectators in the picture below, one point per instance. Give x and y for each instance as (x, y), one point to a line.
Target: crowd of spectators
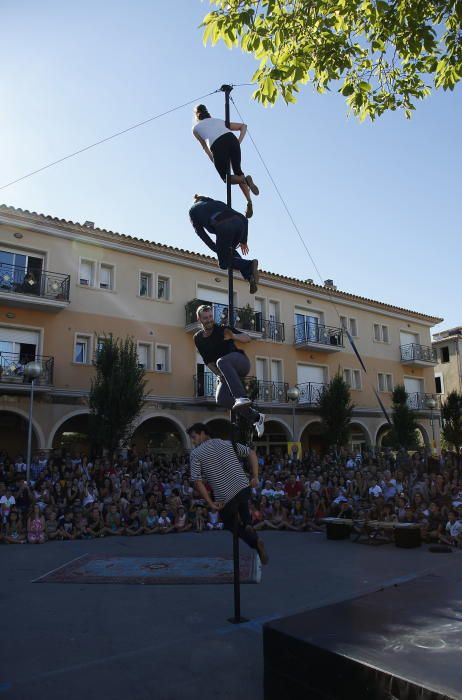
(73, 496)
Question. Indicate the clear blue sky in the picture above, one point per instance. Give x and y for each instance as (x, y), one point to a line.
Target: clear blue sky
(379, 205)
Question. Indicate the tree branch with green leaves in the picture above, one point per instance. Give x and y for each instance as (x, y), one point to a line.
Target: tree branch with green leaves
(381, 55)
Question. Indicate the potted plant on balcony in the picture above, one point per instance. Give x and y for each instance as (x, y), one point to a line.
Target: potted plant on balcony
(245, 318)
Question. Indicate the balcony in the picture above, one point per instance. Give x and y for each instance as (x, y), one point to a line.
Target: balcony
(12, 370)
(415, 355)
(258, 390)
(33, 289)
(311, 392)
(418, 401)
(245, 319)
(313, 336)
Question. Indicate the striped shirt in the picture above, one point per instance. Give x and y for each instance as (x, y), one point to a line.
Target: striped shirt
(216, 462)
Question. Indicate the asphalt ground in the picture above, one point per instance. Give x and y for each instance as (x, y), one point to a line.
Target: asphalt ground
(118, 641)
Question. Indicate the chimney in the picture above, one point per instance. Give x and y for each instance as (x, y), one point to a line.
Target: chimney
(330, 284)
(89, 224)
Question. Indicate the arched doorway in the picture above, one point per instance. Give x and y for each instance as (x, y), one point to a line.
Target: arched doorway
(312, 438)
(382, 436)
(360, 440)
(219, 428)
(274, 440)
(159, 436)
(423, 436)
(13, 434)
(71, 437)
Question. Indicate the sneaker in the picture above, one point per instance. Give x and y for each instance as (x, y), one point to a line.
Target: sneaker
(262, 552)
(240, 403)
(260, 425)
(253, 279)
(249, 210)
(253, 188)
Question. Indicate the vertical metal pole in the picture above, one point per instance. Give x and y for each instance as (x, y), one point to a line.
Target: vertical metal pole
(227, 89)
(29, 432)
(236, 579)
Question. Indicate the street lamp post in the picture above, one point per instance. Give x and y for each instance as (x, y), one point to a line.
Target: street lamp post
(431, 404)
(32, 371)
(293, 394)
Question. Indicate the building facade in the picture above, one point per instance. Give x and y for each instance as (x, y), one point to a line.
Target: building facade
(64, 285)
(448, 370)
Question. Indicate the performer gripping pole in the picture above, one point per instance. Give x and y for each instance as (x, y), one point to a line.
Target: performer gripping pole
(223, 147)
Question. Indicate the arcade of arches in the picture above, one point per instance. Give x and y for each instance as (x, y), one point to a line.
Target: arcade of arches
(13, 433)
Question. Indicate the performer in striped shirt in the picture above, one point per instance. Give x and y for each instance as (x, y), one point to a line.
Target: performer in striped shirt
(216, 462)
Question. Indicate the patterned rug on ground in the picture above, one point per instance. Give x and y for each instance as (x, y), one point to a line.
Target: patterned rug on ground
(105, 568)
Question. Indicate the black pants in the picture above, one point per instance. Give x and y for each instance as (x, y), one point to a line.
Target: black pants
(239, 505)
(227, 148)
(229, 234)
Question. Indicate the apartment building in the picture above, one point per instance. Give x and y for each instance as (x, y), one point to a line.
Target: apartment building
(63, 285)
(447, 346)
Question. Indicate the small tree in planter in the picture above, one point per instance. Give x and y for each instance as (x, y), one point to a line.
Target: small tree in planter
(451, 415)
(404, 431)
(335, 409)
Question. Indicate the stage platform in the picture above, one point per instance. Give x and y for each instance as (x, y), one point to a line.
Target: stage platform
(399, 643)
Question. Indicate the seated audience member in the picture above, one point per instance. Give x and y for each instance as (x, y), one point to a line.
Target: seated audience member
(453, 530)
(164, 523)
(152, 519)
(113, 521)
(66, 527)
(95, 527)
(296, 520)
(268, 489)
(199, 520)
(52, 526)
(181, 523)
(14, 530)
(213, 520)
(36, 526)
(278, 519)
(293, 488)
(133, 526)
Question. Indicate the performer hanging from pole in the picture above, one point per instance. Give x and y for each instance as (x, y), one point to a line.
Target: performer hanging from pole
(222, 146)
(216, 462)
(231, 231)
(216, 346)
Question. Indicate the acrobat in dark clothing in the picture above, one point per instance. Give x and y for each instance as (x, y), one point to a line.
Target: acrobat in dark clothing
(231, 231)
(217, 348)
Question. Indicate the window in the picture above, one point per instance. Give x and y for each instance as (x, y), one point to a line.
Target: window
(106, 277)
(349, 324)
(352, 377)
(385, 382)
(87, 273)
(163, 288)
(145, 284)
(381, 333)
(439, 384)
(445, 353)
(144, 355)
(82, 349)
(162, 358)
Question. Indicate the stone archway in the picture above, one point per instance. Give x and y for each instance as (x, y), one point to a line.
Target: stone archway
(382, 431)
(159, 435)
(275, 438)
(360, 438)
(72, 434)
(424, 436)
(14, 426)
(312, 437)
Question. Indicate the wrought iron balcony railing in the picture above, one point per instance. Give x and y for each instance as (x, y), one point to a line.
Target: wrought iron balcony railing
(317, 334)
(418, 401)
(12, 368)
(40, 283)
(260, 391)
(311, 392)
(245, 319)
(415, 352)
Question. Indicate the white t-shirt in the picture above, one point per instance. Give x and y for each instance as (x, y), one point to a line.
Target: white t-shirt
(375, 490)
(455, 528)
(210, 129)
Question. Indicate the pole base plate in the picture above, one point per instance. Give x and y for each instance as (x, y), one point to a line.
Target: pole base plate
(237, 620)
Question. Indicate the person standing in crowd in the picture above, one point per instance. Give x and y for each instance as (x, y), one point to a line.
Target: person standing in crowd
(223, 147)
(216, 345)
(216, 462)
(230, 229)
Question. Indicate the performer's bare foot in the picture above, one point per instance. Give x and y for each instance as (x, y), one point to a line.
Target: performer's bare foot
(264, 558)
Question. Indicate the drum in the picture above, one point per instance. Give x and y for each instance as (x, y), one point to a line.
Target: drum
(407, 536)
(337, 530)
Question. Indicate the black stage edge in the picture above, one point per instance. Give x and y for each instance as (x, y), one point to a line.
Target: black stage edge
(399, 643)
